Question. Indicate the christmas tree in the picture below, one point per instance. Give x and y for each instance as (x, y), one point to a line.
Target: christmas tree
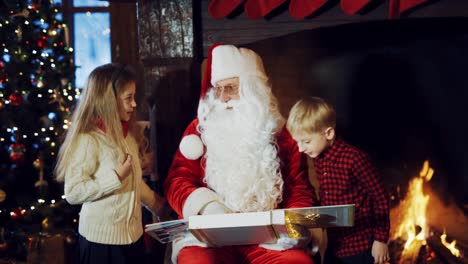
(36, 100)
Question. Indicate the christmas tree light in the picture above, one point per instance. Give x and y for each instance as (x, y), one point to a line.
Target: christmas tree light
(36, 100)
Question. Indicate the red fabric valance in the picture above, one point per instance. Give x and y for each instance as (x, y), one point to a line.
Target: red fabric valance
(300, 9)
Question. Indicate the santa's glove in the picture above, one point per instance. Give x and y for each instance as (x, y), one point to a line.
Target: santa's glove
(285, 241)
(215, 207)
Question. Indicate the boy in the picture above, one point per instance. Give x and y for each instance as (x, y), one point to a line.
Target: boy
(346, 176)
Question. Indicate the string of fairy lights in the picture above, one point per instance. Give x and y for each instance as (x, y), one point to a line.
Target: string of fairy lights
(20, 211)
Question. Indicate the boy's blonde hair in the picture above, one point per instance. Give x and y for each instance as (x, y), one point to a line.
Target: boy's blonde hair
(311, 115)
(98, 106)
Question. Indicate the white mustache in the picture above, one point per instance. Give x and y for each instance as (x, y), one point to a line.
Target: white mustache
(228, 104)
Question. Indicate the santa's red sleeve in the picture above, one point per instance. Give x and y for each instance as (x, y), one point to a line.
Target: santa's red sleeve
(184, 187)
(297, 190)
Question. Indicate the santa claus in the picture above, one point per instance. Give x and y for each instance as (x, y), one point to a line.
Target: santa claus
(237, 156)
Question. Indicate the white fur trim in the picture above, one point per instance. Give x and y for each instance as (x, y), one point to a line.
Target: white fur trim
(197, 200)
(229, 61)
(191, 147)
(187, 240)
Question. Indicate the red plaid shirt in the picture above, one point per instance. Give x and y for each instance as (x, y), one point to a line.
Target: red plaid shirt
(346, 176)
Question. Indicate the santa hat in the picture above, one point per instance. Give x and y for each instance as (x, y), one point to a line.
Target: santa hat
(229, 61)
(206, 82)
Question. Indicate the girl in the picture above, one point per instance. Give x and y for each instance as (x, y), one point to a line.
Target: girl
(99, 162)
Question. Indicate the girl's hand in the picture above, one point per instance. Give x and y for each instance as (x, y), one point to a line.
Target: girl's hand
(124, 168)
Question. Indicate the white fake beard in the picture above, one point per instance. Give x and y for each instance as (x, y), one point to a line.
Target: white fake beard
(242, 165)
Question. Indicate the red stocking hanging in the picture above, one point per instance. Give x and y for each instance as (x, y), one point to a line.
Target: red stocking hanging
(397, 7)
(299, 9)
(394, 8)
(222, 8)
(351, 7)
(405, 5)
(259, 8)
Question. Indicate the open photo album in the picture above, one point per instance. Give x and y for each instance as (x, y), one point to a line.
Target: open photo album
(252, 228)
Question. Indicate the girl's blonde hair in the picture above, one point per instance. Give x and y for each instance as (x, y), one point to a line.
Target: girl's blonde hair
(98, 108)
(311, 115)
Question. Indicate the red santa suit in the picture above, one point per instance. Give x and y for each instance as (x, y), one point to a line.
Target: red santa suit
(186, 178)
(188, 193)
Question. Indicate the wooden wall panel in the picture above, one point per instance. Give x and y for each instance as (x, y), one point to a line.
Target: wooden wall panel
(124, 33)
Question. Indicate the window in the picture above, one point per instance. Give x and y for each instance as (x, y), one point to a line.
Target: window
(89, 21)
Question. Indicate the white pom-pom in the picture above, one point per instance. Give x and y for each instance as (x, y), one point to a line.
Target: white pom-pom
(191, 147)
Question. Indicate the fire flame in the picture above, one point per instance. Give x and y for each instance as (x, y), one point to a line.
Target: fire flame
(450, 246)
(414, 216)
(415, 211)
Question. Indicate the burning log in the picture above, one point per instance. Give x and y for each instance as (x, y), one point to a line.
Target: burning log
(443, 252)
(411, 254)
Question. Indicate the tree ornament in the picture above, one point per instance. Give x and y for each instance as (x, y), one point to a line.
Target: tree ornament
(56, 97)
(40, 83)
(16, 98)
(23, 55)
(37, 163)
(2, 195)
(64, 81)
(53, 30)
(24, 13)
(41, 183)
(42, 42)
(17, 151)
(17, 213)
(46, 121)
(19, 33)
(3, 242)
(67, 35)
(46, 224)
(3, 76)
(70, 239)
(3, 246)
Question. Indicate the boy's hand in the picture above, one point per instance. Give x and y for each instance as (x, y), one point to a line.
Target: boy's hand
(380, 252)
(285, 242)
(124, 168)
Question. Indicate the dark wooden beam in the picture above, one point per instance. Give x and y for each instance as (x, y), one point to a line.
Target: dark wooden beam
(171, 72)
(239, 29)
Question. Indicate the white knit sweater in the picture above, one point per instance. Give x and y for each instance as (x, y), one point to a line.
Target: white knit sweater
(111, 210)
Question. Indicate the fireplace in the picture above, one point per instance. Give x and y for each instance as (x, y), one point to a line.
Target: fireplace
(401, 91)
(420, 223)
